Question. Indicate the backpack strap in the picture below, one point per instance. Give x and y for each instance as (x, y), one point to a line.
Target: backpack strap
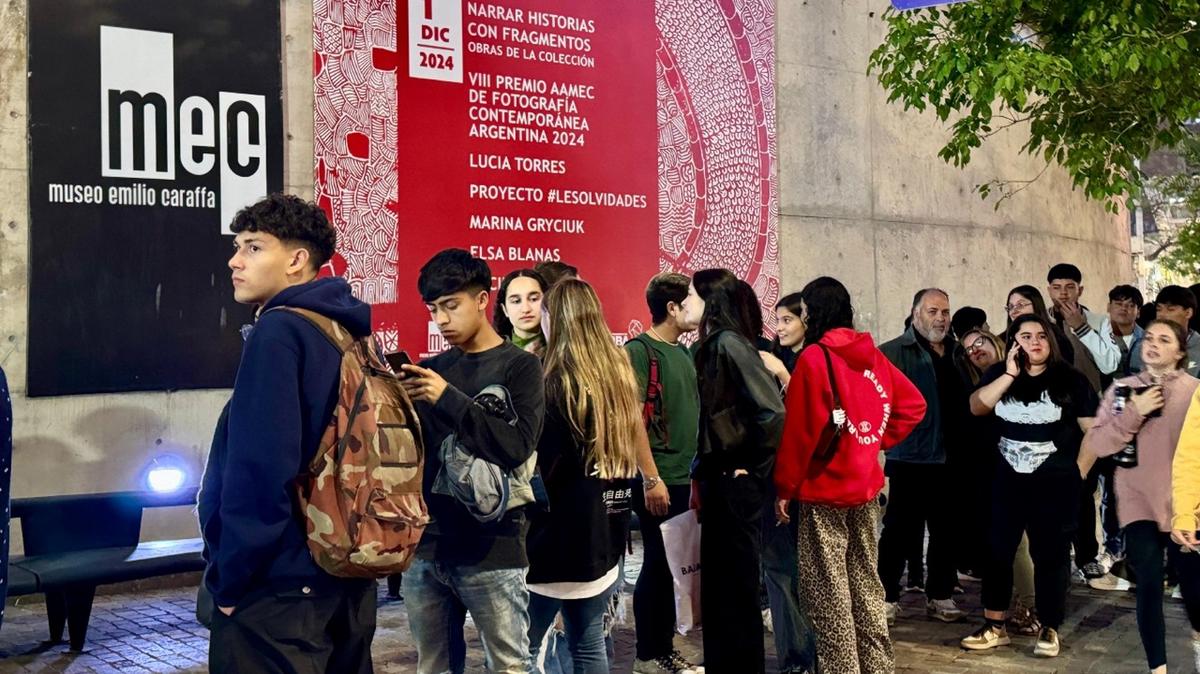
(653, 384)
(339, 337)
(343, 341)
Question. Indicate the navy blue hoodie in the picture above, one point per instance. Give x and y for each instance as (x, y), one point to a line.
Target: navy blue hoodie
(283, 399)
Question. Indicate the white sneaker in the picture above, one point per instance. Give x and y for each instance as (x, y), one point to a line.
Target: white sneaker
(1110, 583)
(944, 610)
(892, 610)
(1106, 560)
(1177, 594)
(1047, 644)
(986, 638)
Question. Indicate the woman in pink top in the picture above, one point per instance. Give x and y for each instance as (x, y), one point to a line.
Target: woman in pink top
(1151, 420)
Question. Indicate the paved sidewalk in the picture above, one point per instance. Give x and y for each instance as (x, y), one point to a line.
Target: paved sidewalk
(154, 631)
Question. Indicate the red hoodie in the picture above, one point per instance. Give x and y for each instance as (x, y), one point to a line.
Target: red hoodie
(882, 406)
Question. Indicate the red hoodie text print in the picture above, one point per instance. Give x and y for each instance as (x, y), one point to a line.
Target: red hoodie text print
(862, 431)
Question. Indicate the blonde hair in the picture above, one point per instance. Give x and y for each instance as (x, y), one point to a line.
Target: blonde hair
(973, 371)
(593, 379)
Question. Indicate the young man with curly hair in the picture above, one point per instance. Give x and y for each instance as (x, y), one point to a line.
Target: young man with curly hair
(276, 610)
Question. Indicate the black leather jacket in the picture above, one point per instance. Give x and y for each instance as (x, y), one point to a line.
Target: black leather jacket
(741, 411)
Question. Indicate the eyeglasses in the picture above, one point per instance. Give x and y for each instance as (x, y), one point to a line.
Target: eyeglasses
(1018, 306)
(976, 345)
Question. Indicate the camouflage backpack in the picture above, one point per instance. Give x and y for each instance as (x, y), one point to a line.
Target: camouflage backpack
(361, 497)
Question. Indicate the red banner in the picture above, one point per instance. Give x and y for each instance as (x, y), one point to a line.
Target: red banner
(619, 136)
(538, 144)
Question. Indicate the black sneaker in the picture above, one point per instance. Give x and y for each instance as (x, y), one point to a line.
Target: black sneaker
(674, 663)
(684, 664)
(1093, 570)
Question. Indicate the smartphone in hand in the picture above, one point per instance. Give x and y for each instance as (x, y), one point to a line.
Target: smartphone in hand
(1022, 359)
(395, 360)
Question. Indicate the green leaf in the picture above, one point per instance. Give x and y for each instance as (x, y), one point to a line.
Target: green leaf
(1103, 83)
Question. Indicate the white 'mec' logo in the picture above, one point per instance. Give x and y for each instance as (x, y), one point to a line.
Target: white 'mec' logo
(138, 115)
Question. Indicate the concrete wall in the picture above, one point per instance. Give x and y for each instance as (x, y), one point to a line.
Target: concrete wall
(95, 443)
(865, 198)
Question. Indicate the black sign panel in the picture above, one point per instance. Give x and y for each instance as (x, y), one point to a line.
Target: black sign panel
(150, 125)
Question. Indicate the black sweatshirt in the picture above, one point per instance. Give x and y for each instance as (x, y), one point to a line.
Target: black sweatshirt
(455, 536)
(579, 539)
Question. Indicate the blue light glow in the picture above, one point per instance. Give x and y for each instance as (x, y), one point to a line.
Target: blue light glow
(165, 475)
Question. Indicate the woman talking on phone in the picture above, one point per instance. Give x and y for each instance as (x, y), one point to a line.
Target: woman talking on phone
(1042, 407)
(1139, 424)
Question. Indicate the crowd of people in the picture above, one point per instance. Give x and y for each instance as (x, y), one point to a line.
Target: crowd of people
(782, 446)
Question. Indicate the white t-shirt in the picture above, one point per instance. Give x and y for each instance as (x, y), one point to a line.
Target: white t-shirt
(578, 590)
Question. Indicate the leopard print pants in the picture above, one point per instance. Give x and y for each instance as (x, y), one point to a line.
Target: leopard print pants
(840, 589)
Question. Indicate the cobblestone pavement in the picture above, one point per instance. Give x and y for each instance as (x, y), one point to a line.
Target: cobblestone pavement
(154, 631)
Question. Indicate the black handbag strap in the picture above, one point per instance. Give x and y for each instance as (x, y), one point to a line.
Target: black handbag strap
(837, 398)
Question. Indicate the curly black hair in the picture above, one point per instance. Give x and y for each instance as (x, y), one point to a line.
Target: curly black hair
(292, 220)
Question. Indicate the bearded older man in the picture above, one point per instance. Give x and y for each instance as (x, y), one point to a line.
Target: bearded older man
(916, 468)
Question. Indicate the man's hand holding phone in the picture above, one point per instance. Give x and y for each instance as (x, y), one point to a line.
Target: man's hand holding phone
(423, 384)
(397, 361)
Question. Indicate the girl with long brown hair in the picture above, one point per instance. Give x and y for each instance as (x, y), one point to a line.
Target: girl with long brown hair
(591, 442)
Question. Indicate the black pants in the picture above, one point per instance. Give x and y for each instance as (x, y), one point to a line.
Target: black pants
(916, 499)
(296, 632)
(915, 568)
(1114, 537)
(654, 593)
(1144, 545)
(971, 480)
(730, 560)
(1086, 546)
(1044, 507)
